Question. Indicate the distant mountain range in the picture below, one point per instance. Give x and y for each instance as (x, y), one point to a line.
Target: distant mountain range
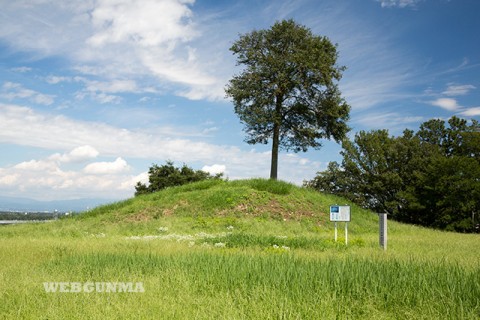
(30, 205)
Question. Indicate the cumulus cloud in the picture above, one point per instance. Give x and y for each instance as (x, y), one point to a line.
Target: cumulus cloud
(149, 23)
(48, 179)
(215, 169)
(82, 153)
(79, 154)
(8, 179)
(37, 165)
(128, 184)
(119, 165)
(155, 33)
(161, 46)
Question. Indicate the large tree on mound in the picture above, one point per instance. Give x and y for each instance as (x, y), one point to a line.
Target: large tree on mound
(288, 91)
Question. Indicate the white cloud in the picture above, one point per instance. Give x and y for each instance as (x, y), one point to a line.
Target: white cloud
(12, 91)
(34, 165)
(45, 28)
(209, 130)
(458, 90)
(79, 154)
(24, 126)
(99, 96)
(45, 179)
(446, 103)
(9, 179)
(82, 153)
(117, 166)
(471, 112)
(391, 120)
(215, 169)
(398, 3)
(149, 23)
(115, 86)
(21, 69)
(187, 52)
(57, 79)
(129, 183)
(101, 90)
(304, 161)
(155, 38)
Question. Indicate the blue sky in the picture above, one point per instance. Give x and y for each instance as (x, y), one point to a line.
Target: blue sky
(93, 92)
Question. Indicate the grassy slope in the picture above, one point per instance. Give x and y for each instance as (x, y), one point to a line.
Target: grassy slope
(241, 249)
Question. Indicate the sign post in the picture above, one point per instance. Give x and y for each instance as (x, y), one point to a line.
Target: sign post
(383, 230)
(340, 214)
(335, 231)
(346, 233)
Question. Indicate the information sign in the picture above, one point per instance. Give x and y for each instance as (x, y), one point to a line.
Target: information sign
(340, 213)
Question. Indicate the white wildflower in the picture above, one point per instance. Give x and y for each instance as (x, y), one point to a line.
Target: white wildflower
(230, 228)
(163, 229)
(204, 235)
(178, 237)
(219, 245)
(149, 237)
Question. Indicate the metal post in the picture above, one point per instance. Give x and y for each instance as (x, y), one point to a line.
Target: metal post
(346, 233)
(383, 230)
(335, 232)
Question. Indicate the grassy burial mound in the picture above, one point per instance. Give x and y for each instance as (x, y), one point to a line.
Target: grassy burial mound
(251, 249)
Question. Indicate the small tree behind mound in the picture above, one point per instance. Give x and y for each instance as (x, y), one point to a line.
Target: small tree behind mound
(167, 175)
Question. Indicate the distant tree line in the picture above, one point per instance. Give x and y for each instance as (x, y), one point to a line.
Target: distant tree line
(167, 175)
(14, 215)
(430, 178)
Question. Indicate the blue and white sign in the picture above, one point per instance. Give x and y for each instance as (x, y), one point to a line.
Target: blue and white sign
(340, 213)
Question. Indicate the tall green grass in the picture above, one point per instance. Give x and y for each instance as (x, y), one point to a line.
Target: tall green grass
(182, 282)
(236, 250)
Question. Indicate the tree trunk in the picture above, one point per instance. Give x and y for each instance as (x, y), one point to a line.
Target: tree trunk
(276, 136)
(275, 142)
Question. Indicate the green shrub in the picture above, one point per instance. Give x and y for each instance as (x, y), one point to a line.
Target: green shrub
(167, 175)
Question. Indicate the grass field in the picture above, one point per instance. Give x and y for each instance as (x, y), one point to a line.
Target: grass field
(252, 249)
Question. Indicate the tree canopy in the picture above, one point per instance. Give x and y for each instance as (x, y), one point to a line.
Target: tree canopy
(167, 175)
(431, 177)
(288, 91)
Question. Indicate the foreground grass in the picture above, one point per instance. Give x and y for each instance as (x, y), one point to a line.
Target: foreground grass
(236, 250)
